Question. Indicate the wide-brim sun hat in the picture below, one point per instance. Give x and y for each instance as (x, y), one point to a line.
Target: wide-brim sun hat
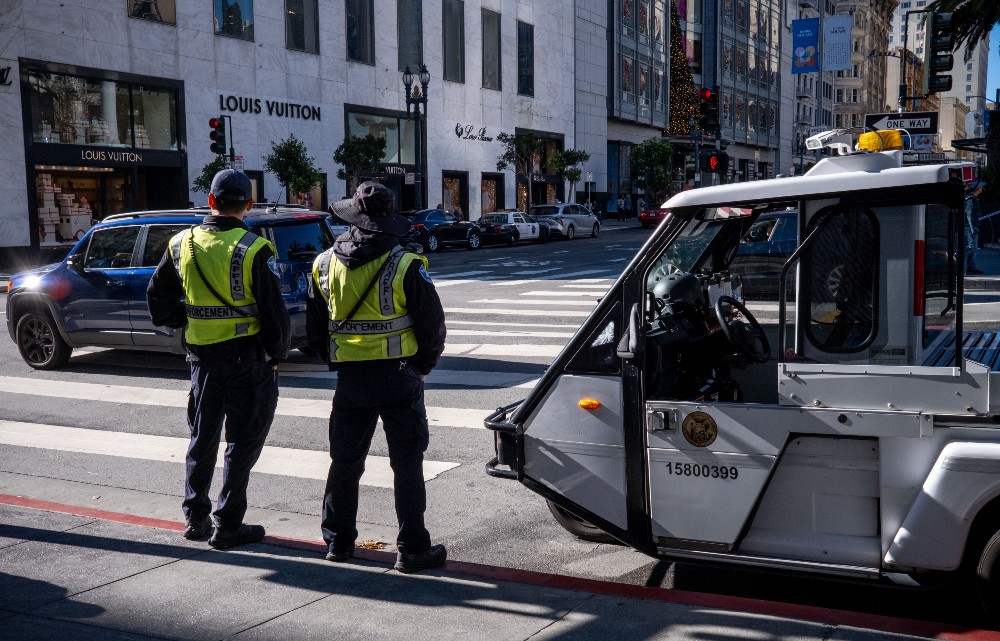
(372, 208)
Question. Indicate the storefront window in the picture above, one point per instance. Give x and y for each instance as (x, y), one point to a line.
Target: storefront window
(71, 110)
(155, 118)
(398, 134)
(234, 18)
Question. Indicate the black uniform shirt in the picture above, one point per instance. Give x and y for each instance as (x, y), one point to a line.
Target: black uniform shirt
(357, 247)
(165, 298)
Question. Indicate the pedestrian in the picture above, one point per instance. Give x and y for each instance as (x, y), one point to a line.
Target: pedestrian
(219, 282)
(621, 209)
(628, 209)
(972, 212)
(375, 316)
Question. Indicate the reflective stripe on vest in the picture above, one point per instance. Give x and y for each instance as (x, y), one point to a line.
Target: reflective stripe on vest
(381, 328)
(209, 319)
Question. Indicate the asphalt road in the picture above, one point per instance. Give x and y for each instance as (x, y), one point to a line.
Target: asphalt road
(509, 310)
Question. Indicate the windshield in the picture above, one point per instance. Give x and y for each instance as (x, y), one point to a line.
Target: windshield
(301, 241)
(494, 219)
(544, 211)
(685, 253)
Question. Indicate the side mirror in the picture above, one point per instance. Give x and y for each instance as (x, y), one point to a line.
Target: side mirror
(630, 345)
(74, 263)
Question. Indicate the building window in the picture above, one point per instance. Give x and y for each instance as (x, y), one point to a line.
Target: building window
(360, 25)
(968, 87)
(968, 66)
(491, 49)
(87, 111)
(453, 28)
(302, 25)
(234, 19)
(525, 59)
(156, 10)
(968, 77)
(410, 33)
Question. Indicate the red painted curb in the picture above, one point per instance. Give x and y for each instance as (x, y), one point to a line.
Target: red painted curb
(813, 614)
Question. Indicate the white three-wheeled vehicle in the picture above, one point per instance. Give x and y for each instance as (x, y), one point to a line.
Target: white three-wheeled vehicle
(841, 419)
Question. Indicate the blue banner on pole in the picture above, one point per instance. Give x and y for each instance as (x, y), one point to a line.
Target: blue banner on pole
(805, 45)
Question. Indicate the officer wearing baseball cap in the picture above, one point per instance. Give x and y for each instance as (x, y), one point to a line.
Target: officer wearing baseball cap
(218, 282)
(375, 316)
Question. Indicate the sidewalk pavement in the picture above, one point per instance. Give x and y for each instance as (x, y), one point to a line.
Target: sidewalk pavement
(77, 573)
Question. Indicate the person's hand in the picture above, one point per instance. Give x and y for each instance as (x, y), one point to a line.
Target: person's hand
(422, 377)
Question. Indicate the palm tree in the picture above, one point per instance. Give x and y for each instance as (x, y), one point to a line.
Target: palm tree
(972, 20)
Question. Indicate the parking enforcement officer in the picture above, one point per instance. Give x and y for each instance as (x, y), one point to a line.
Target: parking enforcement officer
(376, 317)
(218, 281)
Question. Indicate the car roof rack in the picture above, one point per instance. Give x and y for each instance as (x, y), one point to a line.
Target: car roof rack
(173, 213)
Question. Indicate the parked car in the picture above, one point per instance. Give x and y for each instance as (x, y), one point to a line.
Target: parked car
(651, 217)
(96, 296)
(438, 228)
(567, 220)
(763, 251)
(525, 227)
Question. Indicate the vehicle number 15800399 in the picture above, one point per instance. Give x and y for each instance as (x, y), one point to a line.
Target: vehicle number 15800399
(727, 472)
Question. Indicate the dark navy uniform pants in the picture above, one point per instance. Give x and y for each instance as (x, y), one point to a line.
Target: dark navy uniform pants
(390, 389)
(240, 395)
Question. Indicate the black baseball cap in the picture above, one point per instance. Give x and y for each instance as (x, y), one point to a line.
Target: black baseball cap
(231, 187)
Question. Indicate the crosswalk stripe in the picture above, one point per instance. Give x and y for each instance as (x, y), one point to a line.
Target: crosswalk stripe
(460, 274)
(489, 349)
(302, 407)
(508, 333)
(568, 276)
(305, 464)
(528, 301)
(491, 323)
(585, 286)
(574, 293)
(514, 312)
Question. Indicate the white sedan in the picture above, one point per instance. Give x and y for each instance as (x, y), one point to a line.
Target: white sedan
(527, 227)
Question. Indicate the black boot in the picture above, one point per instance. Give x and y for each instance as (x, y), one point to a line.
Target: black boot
(244, 534)
(407, 562)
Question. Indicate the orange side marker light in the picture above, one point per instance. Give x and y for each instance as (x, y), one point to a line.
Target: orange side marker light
(589, 404)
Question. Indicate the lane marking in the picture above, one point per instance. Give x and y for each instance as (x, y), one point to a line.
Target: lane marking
(302, 407)
(519, 324)
(492, 349)
(575, 293)
(284, 461)
(559, 276)
(531, 272)
(463, 378)
(508, 333)
(514, 312)
(522, 301)
(460, 274)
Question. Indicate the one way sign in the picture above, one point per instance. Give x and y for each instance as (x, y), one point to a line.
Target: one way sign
(924, 122)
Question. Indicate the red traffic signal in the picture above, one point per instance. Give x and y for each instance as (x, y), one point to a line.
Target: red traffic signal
(218, 135)
(214, 123)
(705, 93)
(716, 162)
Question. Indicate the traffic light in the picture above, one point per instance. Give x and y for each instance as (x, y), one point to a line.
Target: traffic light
(218, 135)
(716, 162)
(939, 39)
(704, 105)
(708, 106)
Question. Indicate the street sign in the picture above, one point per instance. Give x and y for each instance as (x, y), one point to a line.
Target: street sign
(923, 122)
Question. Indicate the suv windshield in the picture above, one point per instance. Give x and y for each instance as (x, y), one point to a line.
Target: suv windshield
(302, 240)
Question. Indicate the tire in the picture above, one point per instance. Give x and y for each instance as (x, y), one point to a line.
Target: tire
(39, 342)
(987, 578)
(596, 230)
(475, 240)
(512, 241)
(578, 527)
(543, 235)
(570, 232)
(433, 244)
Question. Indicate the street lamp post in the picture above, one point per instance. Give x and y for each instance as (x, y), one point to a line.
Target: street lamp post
(415, 97)
(696, 141)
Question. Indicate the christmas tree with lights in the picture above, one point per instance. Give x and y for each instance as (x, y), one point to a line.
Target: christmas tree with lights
(683, 93)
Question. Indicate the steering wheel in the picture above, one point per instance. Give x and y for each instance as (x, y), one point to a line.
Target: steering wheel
(743, 336)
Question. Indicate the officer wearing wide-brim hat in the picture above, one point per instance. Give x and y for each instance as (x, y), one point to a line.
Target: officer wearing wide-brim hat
(375, 316)
(218, 282)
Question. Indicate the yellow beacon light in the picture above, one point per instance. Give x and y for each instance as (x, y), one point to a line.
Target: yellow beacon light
(589, 403)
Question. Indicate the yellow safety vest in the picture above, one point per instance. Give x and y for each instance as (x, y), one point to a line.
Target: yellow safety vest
(381, 328)
(226, 261)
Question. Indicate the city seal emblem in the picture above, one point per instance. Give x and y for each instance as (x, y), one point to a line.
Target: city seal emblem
(700, 429)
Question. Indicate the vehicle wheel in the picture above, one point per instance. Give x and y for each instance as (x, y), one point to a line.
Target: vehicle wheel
(578, 527)
(543, 235)
(512, 241)
(475, 240)
(433, 244)
(39, 342)
(570, 232)
(596, 230)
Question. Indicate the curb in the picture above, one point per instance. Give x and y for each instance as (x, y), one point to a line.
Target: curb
(807, 613)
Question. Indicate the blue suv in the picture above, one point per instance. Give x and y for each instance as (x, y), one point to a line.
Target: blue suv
(97, 295)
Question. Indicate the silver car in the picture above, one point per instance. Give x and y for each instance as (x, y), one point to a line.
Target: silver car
(567, 220)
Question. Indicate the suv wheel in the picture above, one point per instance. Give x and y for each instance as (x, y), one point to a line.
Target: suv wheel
(595, 230)
(570, 232)
(39, 342)
(475, 240)
(433, 244)
(514, 237)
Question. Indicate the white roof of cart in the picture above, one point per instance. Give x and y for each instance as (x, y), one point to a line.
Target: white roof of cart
(831, 175)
